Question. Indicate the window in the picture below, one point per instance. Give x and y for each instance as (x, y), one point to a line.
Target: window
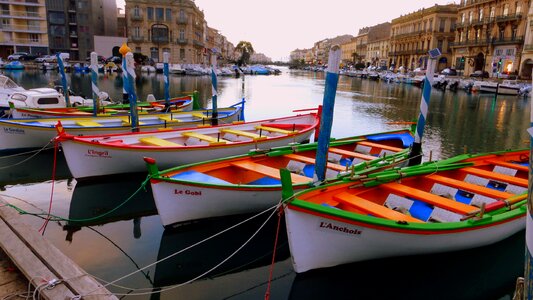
(32, 11)
(461, 36)
(506, 9)
(478, 34)
(34, 25)
(518, 7)
(182, 34)
(159, 34)
(168, 14)
(34, 38)
(136, 31)
(442, 25)
(136, 11)
(150, 13)
(481, 14)
(513, 33)
(5, 22)
(55, 17)
(439, 45)
(509, 52)
(492, 12)
(502, 34)
(463, 18)
(154, 53)
(159, 14)
(57, 30)
(466, 35)
(499, 52)
(470, 17)
(182, 53)
(5, 9)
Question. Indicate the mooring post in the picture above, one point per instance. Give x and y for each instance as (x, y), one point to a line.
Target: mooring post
(415, 155)
(528, 270)
(64, 83)
(125, 97)
(167, 79)
(328, 104)
(94, 81)
(214, 116)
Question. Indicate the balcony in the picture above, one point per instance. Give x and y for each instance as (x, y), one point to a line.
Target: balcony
(471, 43)
(21, 15)
(135, 17)
(510, 17)
(197, 43)
(22, 2)
(528, 47)
(22, 28)
(182, 20)
(182, 41)
(23, 42)
(507, 41)
(198, 25)
(137, 39)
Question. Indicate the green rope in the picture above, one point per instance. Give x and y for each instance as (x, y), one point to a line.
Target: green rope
(58, 218)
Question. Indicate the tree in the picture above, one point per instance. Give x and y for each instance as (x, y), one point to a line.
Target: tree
(246, 49)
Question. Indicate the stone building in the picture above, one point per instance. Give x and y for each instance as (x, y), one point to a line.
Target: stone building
(490, 35)
(348, 50)
(321, 48)
(23, 27)
(414, 34)
(361, 40)
(527, 52)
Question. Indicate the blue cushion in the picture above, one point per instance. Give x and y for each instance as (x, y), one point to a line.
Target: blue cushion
(309, 170)
(406, 138)
(199, 177)
(345, 162)
(497, 185)
(265, 181)
(463, 197)
(420, 210)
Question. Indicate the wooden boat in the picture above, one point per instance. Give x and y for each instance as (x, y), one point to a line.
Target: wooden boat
(18, 134)
(509, 87)
(250, 182)
(91, 156)
(177, 104)
(460, 203)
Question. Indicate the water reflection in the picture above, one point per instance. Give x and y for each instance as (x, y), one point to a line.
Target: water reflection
(483, 273)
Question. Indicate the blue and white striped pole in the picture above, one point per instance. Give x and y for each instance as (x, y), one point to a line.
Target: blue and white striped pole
(94, 81)
(326, 120)
(415, 156)
(130, 71)
(63, 77)
(125, 97)
(167, 82)
(528, 270)
(214, 82)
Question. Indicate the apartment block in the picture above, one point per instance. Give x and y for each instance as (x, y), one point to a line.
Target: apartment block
(490, 36)
(72, 25)
(23, 27)
(414, 34)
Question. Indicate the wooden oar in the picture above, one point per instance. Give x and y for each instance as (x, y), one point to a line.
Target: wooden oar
(497, 205)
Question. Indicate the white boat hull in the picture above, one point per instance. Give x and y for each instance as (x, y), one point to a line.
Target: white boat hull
(508, 90)
(492, 89)
(90, 160)
(319, 242)
(178, 203)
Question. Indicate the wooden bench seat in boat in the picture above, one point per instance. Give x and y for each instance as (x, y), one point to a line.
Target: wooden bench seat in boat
(372, 208)
(269, 171)
(312, 161)
(200, 115)
(155, 141)
(211, 140)
(376, 145)
(429, 198)
(88, 123)
(351, 154)
(470, 187)
(496, 176)
(252, 135)
(508, 165)
(168, 118)
(278, 130)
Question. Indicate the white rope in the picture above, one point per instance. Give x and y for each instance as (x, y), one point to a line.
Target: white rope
(166, 288)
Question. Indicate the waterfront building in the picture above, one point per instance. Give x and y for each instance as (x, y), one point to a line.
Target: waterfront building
(23, 27)
(414, 34)
(527, 52)
(348, 50)
(360, 45)
(378, 52)
(121, 23)
(321, 48)
(490, 35)
(72, 25)
(177, 27)
(298, 54)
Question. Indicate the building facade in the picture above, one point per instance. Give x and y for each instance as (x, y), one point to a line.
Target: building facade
(72, 25)
(490, 36)
(23, 27)
(348, 50)
(177, 27)
(361, 41)
(378, 52)
(414, 34)
(527, 52)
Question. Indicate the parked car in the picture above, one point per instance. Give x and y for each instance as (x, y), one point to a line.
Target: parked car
(17, 56)
(480, 74)
(101, 59)
(449, 72)
(46, 58)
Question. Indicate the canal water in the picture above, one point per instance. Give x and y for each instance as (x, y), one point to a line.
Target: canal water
(128, 239)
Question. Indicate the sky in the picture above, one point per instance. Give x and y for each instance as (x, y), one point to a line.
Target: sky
(276, 27)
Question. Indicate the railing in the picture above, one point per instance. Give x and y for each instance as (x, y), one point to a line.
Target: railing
(509, 17)
(417, 32)
(478, 42)
(137, 38)
(22, 28)
(182, 20)
(198, 43)
(22, 42)
(182, 41)
(136, 17)
(528, 47)
(22, 2)
(20, 14)
(486, 41)
(504, 41)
